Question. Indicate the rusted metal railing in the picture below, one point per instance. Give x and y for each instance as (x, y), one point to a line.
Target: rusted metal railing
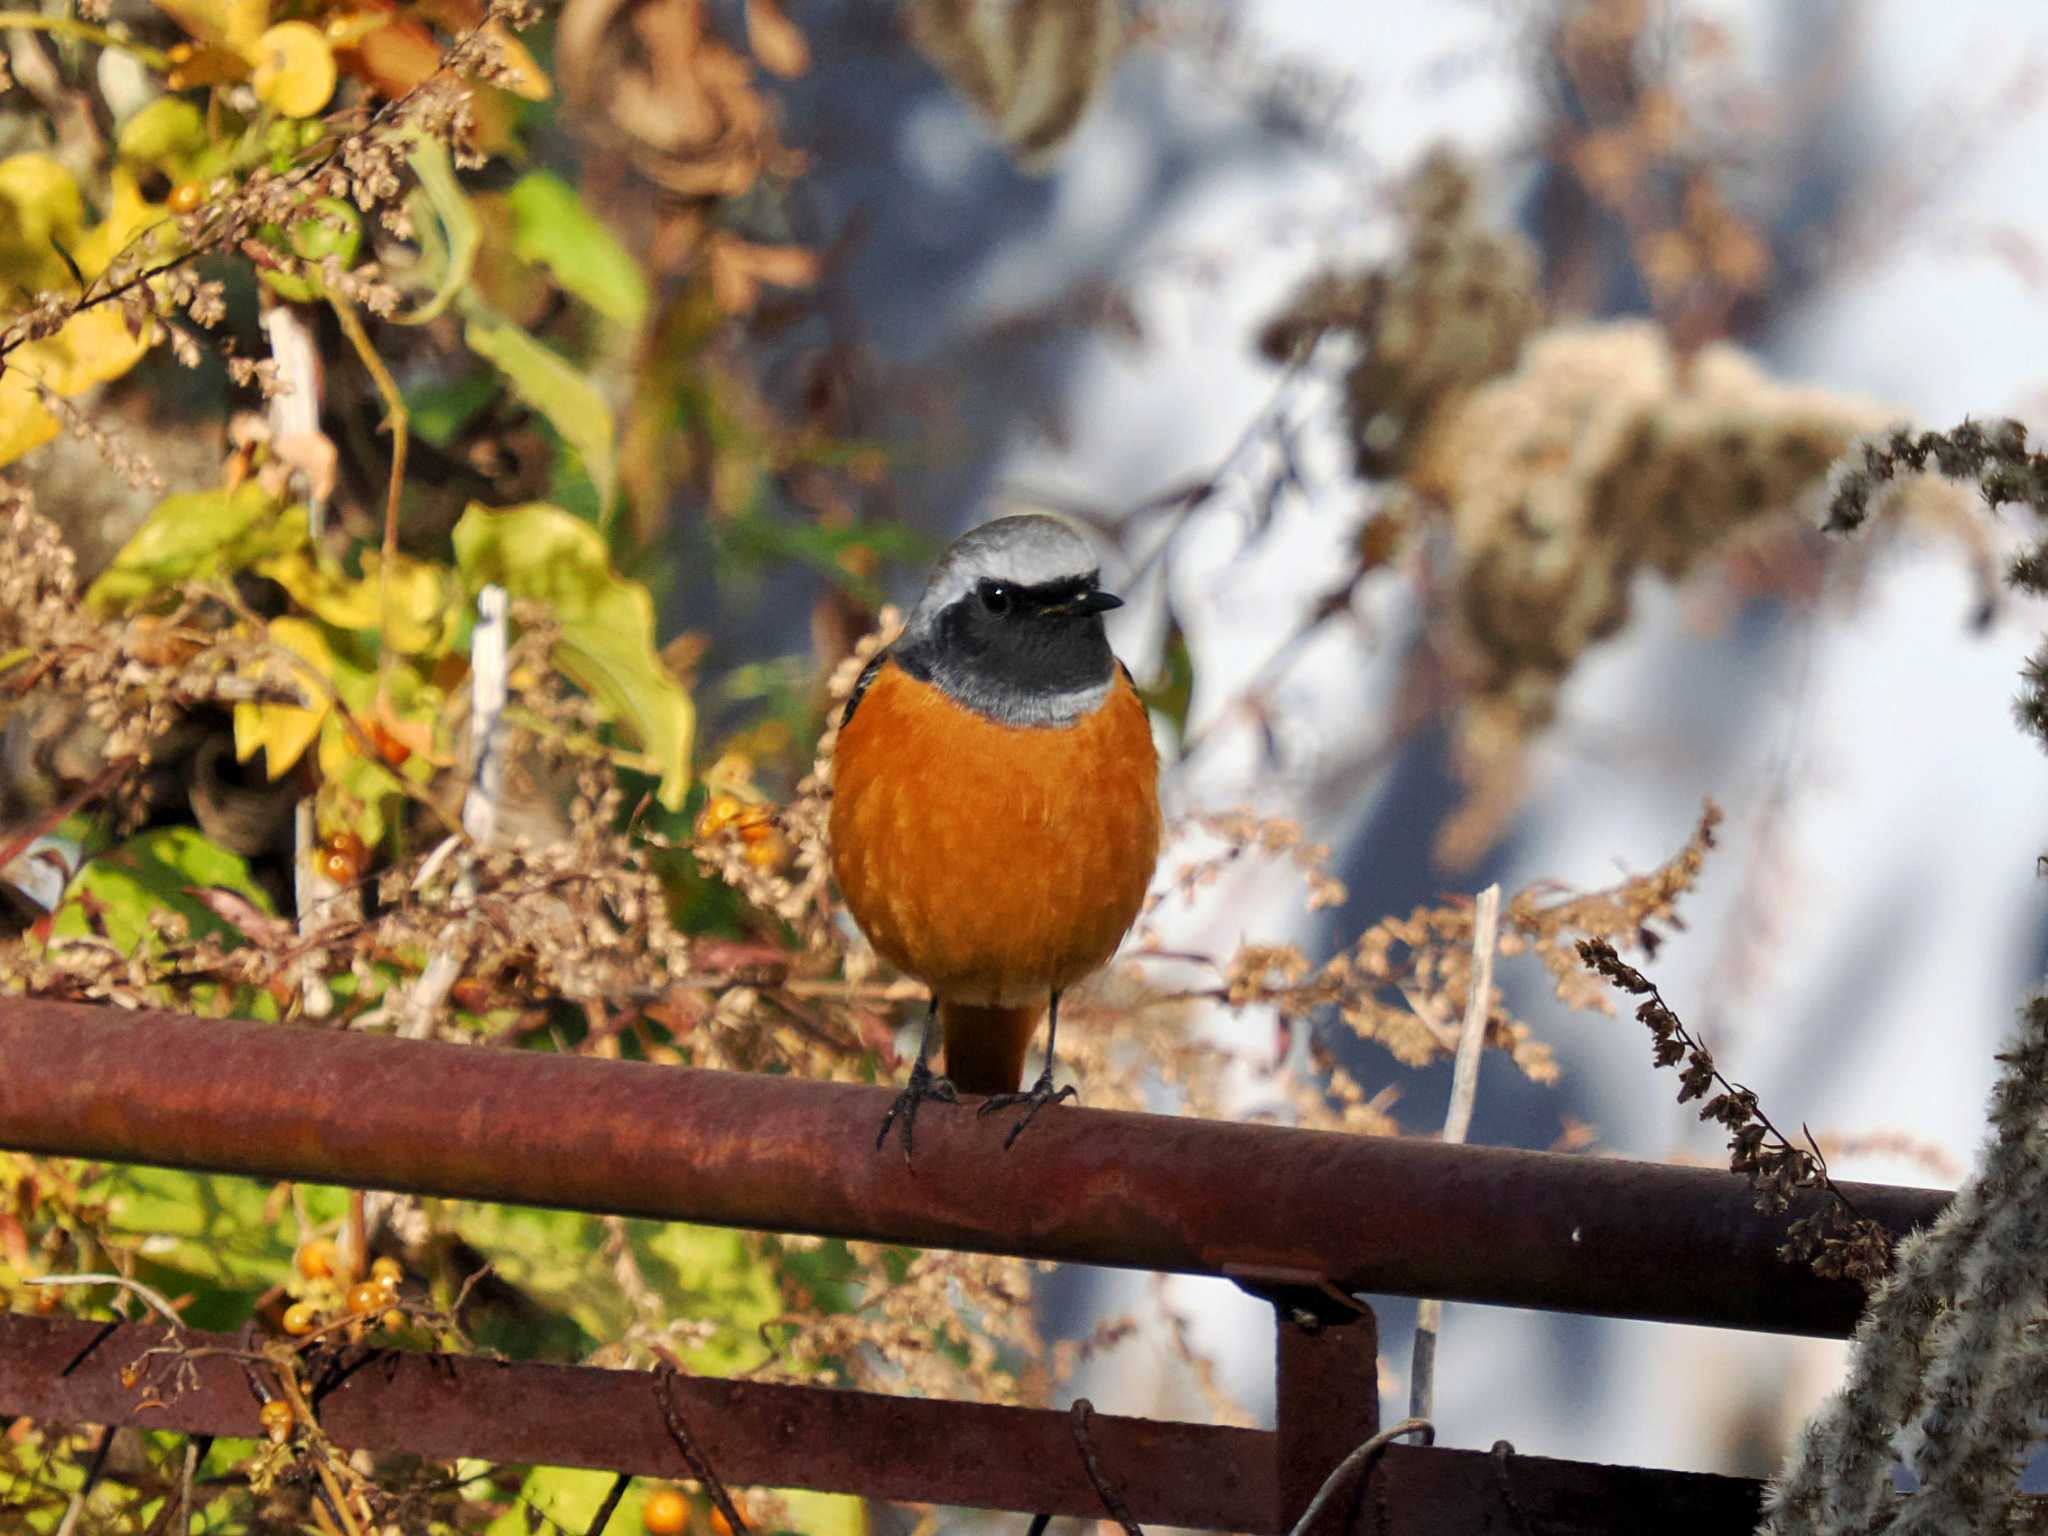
(1300, 1217)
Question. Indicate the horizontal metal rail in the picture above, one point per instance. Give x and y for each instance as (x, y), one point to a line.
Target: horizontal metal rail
(1189, 1475)
(1258, 1203)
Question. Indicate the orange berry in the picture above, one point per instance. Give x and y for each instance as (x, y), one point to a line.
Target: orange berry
(665, 1513)
(366, 1297)
(301, 1317)
(130, 1376)
(48, 1299)
(388, 746)
(276, 1417)
(317, 1259)
(341, 857)
(770, 852)
(387, 1272)
(720, 1526)
(719, 812)
(185, 196)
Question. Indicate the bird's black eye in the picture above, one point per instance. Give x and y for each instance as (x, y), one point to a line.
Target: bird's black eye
(995, 596)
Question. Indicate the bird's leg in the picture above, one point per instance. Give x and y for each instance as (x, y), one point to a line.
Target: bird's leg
(1041, 1092)
(922, 1086)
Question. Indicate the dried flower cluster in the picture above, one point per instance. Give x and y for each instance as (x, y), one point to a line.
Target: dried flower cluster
(1833, 1239)
(1560, 459)
(1404, 982)
(1998, 462)
(1451, 313)
(1949, 1363)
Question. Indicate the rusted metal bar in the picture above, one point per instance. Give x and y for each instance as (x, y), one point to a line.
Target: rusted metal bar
(1150, 1192)
(752, 1433)
(1326, 1400)
(1416, 1491)
(914, 1450)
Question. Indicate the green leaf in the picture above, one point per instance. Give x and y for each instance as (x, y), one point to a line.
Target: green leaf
(707, 1274)
(169, 133)
(150, 873)
(210, 1236)
(450, 237)
(569, 1497)
(607, 623)
(201, 536)
(440, 411)
(551, 385)
(551, 228)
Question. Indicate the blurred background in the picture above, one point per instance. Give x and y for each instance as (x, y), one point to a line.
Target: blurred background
(1453, 391)
(1841, 190)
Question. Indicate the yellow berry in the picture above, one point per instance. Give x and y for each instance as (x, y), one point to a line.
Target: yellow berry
(366, 1297)
(387, 1271)
(301, 1317)
(276, 1418)
(392, 1320)
(317, 1259)
(665, 1513)
(295, 71)
(185, 196)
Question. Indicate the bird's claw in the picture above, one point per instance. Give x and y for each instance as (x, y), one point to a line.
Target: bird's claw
(1042, 1093)
(922, 1085)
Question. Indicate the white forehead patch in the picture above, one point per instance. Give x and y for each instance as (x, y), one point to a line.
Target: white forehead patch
(1028, 551)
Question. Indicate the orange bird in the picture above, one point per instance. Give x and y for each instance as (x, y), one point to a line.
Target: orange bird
(995, 807)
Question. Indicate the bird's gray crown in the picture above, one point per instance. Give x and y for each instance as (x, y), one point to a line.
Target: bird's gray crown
(1028, 550)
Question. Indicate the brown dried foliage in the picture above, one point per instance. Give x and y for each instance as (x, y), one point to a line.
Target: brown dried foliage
(1834, 1239)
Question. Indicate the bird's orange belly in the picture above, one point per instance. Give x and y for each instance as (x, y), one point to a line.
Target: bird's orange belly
(994, 863)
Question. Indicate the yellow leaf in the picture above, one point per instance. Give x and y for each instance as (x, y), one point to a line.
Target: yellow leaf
(233, 24)
(520, 75)
(40, 209)
(25, 423)
(94, 347)
(412, 613)
(284, 731)
(294, 68)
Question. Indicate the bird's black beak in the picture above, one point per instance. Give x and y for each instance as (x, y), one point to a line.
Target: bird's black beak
(1096, 602)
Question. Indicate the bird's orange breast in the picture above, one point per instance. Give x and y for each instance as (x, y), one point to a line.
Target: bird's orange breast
(994, 863)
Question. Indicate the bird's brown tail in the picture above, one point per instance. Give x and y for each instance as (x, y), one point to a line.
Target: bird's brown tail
(985, 1047)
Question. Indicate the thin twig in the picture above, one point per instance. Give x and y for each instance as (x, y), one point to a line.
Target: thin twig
(155, 1298)
(1429, 1315)
(312, 892)
(176, 1514)
(399, 421)
(1112, 1501)
(294, 408)
(70, 26)
(1359, 1460)
(488, 692)
(92, 1476)
(603, 1516)
(665, 1394)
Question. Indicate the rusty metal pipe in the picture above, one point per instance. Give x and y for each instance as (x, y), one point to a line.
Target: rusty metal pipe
(1393, 1215)
(916, 1450)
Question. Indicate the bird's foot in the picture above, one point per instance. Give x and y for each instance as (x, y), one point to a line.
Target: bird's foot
(922, 1085)
(1042, 1093)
